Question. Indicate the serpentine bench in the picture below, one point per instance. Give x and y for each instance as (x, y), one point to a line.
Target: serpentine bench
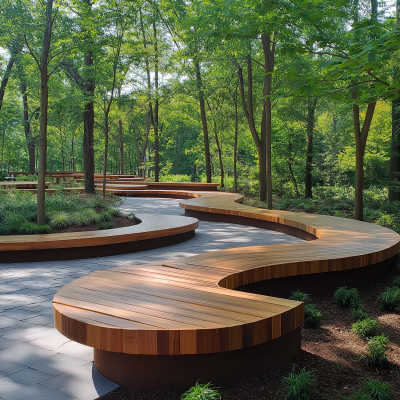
(170, 324)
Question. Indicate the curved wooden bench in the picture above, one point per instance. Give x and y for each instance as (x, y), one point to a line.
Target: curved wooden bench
(167, 325)
(22, 184)
(154, 231)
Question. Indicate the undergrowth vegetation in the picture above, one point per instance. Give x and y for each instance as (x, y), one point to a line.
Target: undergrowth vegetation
(202, 392)
(298, 386)
(18, 211)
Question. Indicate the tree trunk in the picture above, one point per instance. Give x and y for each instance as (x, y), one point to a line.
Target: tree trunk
(203, 121)
(44, 100)
(156, 108)
(15, 49)
(121, 149)
(105, 154)
(394, 167)
(309, 152)
(27, 128)
(235, 146)
(221, 164)
(361, 135)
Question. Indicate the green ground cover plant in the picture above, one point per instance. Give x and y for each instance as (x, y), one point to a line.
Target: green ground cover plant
(202, 392)
(396, 282)
(18, 211)
(390, 299)
(372, 389)
(367, 327)
(376, 354)
(26, 178)
(312, 316)
(298, 295)
(298, 386)
(346, 298)
(359, 313)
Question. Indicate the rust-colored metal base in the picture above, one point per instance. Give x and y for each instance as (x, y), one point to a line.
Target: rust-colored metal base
(183, 371)
(73, 253)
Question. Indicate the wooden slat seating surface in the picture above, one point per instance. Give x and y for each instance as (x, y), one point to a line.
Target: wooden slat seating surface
(186, 306)
(152, 226)
(121, 186)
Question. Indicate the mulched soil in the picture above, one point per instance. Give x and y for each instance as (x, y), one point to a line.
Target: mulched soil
(119, 222)
(333, 352)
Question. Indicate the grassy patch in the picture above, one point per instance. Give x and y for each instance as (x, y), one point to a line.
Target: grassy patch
(390, 299)
(346, 298)
(18, 211)
(367, 327)
(376, 354)
(201, 392)
(298, 386)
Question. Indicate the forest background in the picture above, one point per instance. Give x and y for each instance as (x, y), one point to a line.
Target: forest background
(293, 104)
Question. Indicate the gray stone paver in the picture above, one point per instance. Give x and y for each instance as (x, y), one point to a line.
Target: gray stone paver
(36, 361)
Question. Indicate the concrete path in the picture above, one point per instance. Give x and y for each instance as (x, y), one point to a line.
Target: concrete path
(36, 361)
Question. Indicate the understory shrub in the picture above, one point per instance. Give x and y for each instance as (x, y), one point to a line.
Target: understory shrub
(106, 225)
(359, 313)
(202, 392)
(312, 316)
(390, 299)
(372, 389)
(18, 211)
(346, 298)
(367, 327)
(376, 354)
(396, 282)
(298, 295)
(298, 386)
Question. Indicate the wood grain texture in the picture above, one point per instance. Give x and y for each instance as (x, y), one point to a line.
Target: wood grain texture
(186, 306)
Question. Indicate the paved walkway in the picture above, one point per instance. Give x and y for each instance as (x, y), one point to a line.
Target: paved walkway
(36, 361)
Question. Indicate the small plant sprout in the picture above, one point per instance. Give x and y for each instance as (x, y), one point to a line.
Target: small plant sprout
(366, 328)
(376, 354)
(312, 316)
(396, 282)
(298, 386)
(390, 299)
(377, 390)
(346, 298)
(298, 295)
(202, 392)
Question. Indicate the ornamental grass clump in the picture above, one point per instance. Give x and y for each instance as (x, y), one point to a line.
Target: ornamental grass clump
(367, 327)
(312, 316)
(396, 282)
(298, 295)
(346, 298)
(359, 313)
(298, 386)
(377, 390)
(376, 354)
(202, 392)
(390, 299)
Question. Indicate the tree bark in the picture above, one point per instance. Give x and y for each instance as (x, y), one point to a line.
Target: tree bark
(309, 151)
(235, 145)
(394, 167)
(156, 108)
(15, 49)
(221, 164)
(121, 149)
(203, 121)
(44, 101)
(361, 135)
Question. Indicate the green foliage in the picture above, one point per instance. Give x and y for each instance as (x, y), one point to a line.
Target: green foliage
(367, 328)
(130, 216)
(27, 178)
(390, 299)
(396, 282)
(372, 389)
(298, 386)
(312, 316)
(346, 298)
(202, 392)
(18, 211)
(106, 225)
(298, 295)
(175, 178)
(3, 176)
(376, 354)
(359, 313)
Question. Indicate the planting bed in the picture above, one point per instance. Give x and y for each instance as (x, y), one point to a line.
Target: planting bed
(333, 351)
